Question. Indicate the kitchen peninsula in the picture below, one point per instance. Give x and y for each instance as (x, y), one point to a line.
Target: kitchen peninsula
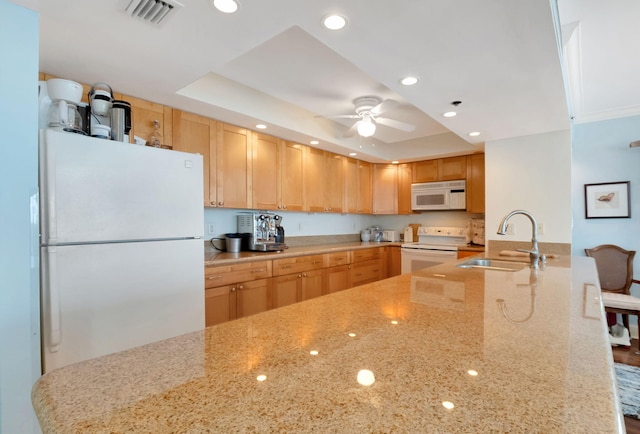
(444, 349)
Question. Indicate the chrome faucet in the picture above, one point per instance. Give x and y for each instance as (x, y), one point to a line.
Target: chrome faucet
(534, 253)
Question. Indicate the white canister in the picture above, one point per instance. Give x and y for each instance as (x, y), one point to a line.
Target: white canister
(408, 234)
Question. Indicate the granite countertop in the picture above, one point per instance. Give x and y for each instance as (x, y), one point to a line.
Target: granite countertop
(540, 363)
(214, 257)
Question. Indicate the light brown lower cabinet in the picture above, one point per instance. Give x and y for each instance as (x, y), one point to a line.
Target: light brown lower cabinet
(229, 302)
(367, 266)
(293, 288)
(394, 261)
(338, 278)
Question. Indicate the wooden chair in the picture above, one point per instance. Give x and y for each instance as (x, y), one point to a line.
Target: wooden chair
(615, 271)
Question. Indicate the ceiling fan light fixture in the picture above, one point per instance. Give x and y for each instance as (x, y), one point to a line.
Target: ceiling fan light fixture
(226, 6)
(366, 128)
(334, 22)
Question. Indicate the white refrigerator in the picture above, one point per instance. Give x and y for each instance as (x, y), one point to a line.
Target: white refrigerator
(121, 239)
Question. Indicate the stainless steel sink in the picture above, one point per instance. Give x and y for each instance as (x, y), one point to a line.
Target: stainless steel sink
(492, 264)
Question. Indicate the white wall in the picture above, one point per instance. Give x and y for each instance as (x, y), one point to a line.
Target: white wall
(601, 153)
(532, 173)
(19, 290)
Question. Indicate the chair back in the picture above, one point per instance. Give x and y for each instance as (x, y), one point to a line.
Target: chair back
(615, 267)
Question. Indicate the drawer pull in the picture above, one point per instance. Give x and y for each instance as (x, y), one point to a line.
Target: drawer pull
(286, 266)
(258, 271)
(315, 262)
(214, 277)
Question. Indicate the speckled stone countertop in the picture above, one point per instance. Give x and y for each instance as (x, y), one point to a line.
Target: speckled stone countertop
(540, 359)
(215, 257)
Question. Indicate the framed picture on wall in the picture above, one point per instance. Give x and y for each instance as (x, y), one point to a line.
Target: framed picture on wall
(607, 200)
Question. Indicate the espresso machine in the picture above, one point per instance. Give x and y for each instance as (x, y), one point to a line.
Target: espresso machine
(264, 231)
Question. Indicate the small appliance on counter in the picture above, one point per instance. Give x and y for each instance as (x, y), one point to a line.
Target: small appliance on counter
(392, 236)
(265, 231)
(408, 234)
(376, 233)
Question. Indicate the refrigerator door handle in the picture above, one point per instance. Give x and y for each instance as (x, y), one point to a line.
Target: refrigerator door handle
(52, 300)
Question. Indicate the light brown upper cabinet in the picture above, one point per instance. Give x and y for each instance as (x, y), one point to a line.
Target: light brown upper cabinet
(334, 182)
(385, 189)
(475, 183)
(365, 196)
(197, 134)
(323, 180)
(357, 187)
(442, 169)
(404, 188)
(291, 176)
(151, 121)
(233, 166)
(265, 151)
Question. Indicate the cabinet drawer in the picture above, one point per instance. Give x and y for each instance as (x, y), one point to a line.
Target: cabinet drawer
(366, 272)
(297, 264)
(362, 255)
(229, 274)
(338, 258)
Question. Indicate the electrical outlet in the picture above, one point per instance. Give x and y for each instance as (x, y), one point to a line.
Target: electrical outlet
(511, 228)
(212, 228)
(540, 228)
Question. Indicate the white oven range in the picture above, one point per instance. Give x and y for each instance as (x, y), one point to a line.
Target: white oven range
(435, 246)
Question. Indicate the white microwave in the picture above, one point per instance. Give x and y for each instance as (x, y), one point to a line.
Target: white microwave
(438, 196)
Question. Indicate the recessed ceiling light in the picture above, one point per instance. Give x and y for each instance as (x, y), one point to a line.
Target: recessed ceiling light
(409, 81)
(314, 142)
(334, 22)
(226, 6)
(261, 126)
(352, 154)
(449, 114)
(395, 162)
(474, 133)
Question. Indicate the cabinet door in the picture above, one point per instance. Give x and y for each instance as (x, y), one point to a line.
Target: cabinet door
(366, 272)
(312, 284)
(365, 196)
(394, 261)
(151, 121)
(475, 183)
(196, 134)
(286, 289)
(385, 189)
(425, 171)
(452, 168)
(292, 181)
(233, 166)
(265, 171)
(219, 304)
(334, 182)
(337, 278)
(314, 179)
(350, 186)
(404, 189)
(253, 297)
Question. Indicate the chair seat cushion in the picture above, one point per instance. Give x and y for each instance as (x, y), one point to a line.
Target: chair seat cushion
(620, 301)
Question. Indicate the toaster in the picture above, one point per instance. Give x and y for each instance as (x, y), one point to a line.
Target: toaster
(390, 235)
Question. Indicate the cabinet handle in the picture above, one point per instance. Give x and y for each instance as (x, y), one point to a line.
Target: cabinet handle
(304, 274)
(284, 207)
(286, 266)
(221, 203)
(315, 262)
(214, 277)
(258, 271)
(299, 276)
(241, 287)
(213, 202)
(233, 289)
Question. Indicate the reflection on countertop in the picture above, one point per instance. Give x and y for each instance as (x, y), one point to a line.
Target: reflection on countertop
(442, 359)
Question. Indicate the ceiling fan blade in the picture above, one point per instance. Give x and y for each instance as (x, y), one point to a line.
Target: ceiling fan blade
(352, 131)
(343, 117)
(384, 106)
(403, 126)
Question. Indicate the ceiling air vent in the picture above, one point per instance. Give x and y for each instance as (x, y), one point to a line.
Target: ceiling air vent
(152, 11)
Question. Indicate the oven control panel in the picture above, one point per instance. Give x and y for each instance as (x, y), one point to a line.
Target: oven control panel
(443, 231)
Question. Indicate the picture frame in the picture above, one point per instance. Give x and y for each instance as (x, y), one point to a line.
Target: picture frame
(607, 200)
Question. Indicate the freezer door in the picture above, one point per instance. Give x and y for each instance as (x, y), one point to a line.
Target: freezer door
(94, 190)
(102, 298)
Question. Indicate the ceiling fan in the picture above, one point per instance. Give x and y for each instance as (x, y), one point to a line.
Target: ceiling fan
(369, 110)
